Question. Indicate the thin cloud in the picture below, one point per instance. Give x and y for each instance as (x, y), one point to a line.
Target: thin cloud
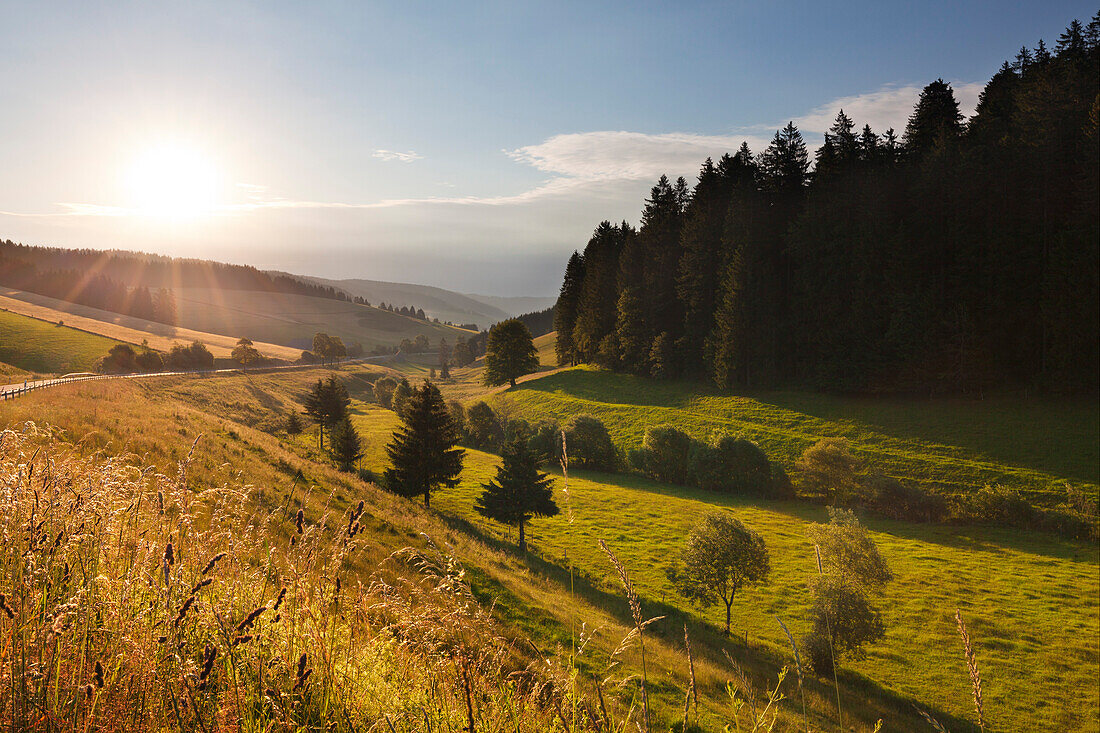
(888, 107)
(406, 157)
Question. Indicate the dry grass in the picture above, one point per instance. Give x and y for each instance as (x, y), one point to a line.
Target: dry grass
(126, 328)
(135, 599)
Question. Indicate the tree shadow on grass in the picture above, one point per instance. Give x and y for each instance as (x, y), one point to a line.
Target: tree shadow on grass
(969, 537)
(707, 640)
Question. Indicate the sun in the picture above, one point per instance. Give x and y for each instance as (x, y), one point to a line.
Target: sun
(173, 181)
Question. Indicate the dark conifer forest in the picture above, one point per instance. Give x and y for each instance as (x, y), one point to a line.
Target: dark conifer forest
(954, 257)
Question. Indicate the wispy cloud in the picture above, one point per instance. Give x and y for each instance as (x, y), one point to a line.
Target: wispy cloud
(622, 155)
(888, 107)
(406, 157)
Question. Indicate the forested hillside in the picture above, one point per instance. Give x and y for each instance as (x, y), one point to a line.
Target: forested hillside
(959, 256)
(134, 283)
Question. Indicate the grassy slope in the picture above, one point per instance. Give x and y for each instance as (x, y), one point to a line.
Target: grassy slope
(292, 320)
(125, 328)
(628, 404)
(37, 346)
(1031, 602)
(532, 594)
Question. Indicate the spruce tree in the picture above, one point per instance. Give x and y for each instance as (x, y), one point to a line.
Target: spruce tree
(520, 491)
(423, 451)
(315, 408)
(509, 353)
(346, 446)
(565, 313)
(936, 119)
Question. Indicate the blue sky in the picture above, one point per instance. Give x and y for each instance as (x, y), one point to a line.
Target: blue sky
(467, 145)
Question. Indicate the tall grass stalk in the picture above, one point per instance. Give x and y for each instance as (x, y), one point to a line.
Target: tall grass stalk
(798, 669)
(972, 668)
(639, 623)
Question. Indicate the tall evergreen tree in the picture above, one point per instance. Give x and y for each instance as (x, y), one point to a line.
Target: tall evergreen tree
(565, 312)
(423, 451)
(936, 119)
(520, 491)
(346, 446)
(326, 404)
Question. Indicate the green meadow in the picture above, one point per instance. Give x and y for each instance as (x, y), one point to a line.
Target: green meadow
(38, 346)
(1032, 447)
(1032, 602)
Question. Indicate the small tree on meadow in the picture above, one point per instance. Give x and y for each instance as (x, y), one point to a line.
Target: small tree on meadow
(244, 353)
(293, 424)
(828, 468)
(423, 451)
(520, 491)
(383, 391)
(721, 557)
(347, 448)
(851, 569)
(510, 353)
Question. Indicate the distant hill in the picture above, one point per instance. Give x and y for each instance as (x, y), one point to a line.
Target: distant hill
(515, 306)
(446, 305)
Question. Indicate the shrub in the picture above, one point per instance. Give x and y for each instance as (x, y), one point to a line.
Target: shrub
(590, 445)
(737, 466)
(665, 454)
(707, 468)
(998, 505)
(517, 428)
(781, 486)
(383, 391)
(119, 360)
(483, 429)
(828, 469)
(193, 357)
(545, 441)
(750, 471)
(895, 500)
(149, 361)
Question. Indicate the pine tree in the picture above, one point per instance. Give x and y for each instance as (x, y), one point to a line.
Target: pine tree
(520, 491)
(346, 446)
(423, 451)
(509, 353)
(565, 312)
(293, 423)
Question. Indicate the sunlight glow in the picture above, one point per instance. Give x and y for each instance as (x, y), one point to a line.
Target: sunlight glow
(173, 181)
